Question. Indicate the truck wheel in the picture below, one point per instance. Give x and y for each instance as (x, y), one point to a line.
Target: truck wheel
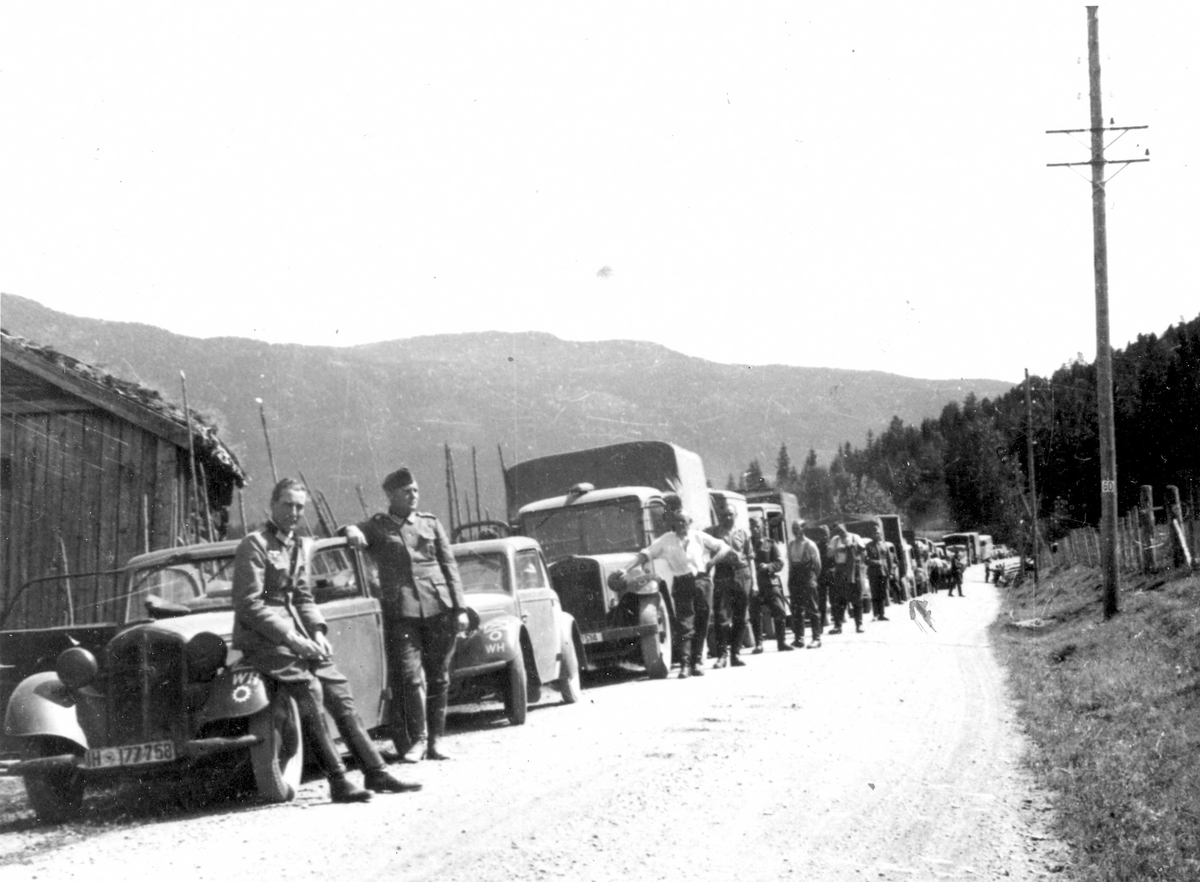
(568, 683)
(656, 648)
(516, 691)
(278, 758)
(56, 796)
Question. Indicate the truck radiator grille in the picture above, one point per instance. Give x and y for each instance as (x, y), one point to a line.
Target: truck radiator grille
(577, 581)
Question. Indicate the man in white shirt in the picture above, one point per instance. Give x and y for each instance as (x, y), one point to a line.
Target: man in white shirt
(690, 555)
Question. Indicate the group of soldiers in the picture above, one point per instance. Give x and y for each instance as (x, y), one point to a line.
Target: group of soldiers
(835, 576)
(282, 634)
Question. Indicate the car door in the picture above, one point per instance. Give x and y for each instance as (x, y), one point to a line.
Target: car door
(537, 600)
(355, 623)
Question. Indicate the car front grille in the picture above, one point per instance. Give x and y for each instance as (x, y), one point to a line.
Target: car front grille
(146, 686)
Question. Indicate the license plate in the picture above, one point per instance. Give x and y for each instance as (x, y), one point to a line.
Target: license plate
(593, 637)
(130, 755)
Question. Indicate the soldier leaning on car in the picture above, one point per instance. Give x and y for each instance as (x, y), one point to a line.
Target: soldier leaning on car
(423, 611)
(281, 634)
(731, 588)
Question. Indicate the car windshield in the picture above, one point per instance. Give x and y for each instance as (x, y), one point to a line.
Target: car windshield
(600, 528)
(180, 581)
(483, 572)
(186, 583)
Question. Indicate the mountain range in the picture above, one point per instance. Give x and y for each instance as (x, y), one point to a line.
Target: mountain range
(346, 416)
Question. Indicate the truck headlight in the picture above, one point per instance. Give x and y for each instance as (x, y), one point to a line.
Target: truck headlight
(76, 667)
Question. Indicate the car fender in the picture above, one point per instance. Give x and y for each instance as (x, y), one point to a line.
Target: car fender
(42, 705)
(568, 630)
(498, 639)
(236, 692)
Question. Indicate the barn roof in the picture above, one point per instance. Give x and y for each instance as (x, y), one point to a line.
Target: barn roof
(31, 370)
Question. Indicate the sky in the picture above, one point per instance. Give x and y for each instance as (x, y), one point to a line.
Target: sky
(858, 186)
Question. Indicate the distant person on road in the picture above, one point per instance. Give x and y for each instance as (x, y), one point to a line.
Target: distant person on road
(844, 553)
(769, 598)
(731, 588)
(804, 570)
(281, 634)
(424, 609)
(878, 570)
(690, 555)
(825, 580)
(956, 575)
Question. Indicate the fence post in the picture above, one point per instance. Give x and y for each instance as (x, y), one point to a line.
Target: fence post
(1181, 557)
(1146, 514)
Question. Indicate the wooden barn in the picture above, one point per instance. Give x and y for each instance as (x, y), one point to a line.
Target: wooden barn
(94, 470)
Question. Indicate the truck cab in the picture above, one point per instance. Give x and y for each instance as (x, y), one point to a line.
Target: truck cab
(590, 537)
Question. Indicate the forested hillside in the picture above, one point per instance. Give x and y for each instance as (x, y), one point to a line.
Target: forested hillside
(968, 466)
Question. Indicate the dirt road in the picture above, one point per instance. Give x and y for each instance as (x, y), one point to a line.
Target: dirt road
(890, 755)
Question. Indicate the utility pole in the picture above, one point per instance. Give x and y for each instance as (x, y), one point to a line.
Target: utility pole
(1033, 504)
(1104, 391)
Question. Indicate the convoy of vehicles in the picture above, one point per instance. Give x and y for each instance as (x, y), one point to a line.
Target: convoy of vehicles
(160, 694)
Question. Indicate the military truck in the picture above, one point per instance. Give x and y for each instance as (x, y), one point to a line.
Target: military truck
(592, 511)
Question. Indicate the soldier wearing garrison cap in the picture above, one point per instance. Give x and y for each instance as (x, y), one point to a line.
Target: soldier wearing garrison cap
(423, 611)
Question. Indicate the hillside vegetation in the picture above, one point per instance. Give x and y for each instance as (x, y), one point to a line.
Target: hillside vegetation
(347, 416)
(1112, 707)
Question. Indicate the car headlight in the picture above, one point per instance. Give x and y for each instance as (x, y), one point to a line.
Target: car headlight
(206, 654)
(76, 667)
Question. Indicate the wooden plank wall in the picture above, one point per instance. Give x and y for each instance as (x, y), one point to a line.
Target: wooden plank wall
(82, 482)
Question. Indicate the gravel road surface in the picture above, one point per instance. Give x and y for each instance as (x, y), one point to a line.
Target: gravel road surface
(888, 755)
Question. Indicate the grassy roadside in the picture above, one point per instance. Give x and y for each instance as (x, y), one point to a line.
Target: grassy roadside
(1114, 711)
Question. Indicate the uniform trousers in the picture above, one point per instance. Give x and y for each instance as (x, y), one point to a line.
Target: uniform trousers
(690, 593)
(313, 685)
(419, 654)
(804, 606)
(770, 600)
(731, 596)
(845, 592)
(879, 587)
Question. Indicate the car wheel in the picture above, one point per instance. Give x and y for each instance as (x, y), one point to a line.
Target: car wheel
(656, 648)
(56, 796)
(516, 691)
(568, 683)
(278, 758)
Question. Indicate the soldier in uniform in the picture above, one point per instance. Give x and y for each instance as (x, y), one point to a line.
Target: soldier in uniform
(767, 565)
(804, 569)
(281, 633)
(423, 611)
(844, 551)
(731, 589)
(878, 569)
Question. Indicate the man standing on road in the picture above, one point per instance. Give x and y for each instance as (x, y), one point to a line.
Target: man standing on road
(423, 611)
(281, 633)
(690, 555)
(878, 568)
(825, 579)
(844, 551)
(731, 588)
(804, 569)
(767, 565)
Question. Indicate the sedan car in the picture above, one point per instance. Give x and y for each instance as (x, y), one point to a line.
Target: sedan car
(521, 638)
(163, 695)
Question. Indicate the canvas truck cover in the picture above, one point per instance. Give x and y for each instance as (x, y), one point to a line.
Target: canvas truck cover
(656, 464)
